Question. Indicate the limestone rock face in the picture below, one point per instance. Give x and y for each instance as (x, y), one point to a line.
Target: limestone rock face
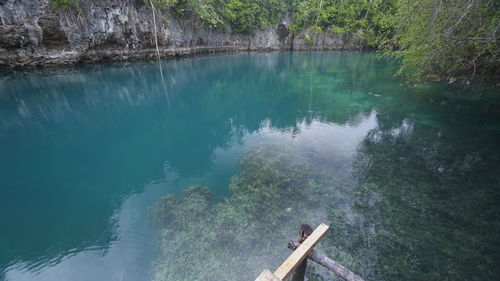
(34, 33)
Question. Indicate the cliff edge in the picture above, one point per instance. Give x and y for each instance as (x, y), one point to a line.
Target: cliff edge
(35, 33)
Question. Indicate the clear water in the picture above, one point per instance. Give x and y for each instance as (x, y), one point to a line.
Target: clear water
(85, 152)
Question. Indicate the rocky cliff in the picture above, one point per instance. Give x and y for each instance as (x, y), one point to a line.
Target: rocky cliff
(34, 33)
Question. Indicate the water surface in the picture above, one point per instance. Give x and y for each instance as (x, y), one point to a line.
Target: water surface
(85, 151)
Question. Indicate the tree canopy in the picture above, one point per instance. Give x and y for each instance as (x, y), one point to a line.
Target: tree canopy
(456, 40)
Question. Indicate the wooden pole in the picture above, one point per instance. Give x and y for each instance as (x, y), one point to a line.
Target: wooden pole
(330, 264)
(300, 273)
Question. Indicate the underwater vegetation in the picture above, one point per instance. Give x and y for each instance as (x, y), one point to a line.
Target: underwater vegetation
(240, 235)
(399, 211)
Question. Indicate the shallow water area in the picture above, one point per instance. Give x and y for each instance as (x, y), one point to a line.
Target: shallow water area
(406, 177)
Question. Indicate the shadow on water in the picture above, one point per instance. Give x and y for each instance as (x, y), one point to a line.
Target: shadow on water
(86, 151)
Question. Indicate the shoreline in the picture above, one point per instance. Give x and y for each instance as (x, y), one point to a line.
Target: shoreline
(54, 59)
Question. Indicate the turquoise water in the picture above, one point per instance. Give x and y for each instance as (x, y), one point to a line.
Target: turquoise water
(85, 152)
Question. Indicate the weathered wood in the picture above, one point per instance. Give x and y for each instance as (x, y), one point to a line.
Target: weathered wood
(330, 264)
(300, 273)
(267, 275)
(293, 261)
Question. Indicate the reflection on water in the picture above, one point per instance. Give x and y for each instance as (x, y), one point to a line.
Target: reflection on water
(85, 151)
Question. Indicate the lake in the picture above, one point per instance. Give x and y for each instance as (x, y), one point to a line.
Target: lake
(408, 178)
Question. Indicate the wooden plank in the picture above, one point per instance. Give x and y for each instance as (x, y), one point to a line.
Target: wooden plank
(289, 266)
(267, 275)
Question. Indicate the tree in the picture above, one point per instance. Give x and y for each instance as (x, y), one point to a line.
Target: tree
(453, 40)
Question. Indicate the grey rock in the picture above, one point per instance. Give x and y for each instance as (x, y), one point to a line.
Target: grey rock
(33, 33)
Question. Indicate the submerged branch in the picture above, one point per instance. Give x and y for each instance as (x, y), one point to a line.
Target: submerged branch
(330, 264)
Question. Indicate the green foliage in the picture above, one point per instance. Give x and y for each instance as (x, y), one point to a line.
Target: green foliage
(368, 19)
(453, 40)
(66, 4)
(308, 39)
(202, 12)
(244, 16)
(247, 15)
(163, 4)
